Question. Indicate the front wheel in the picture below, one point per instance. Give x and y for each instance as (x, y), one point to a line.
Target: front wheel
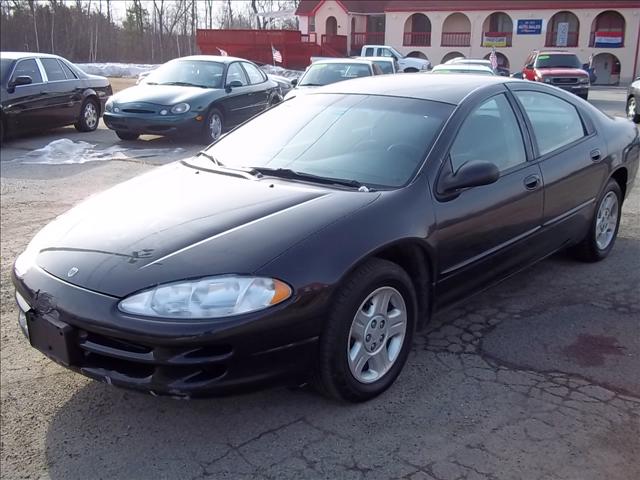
(127, 135)
(604, 226)
(89, 116)
(369, 332)
(632, 110)
(212, 129)
(410, 70)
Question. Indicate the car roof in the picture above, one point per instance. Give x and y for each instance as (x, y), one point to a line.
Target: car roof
(440, 88)
(213, 58)
(463, 66)
(343, 60)
(18, 55)
(375, 59)
(469, 61)
(554, 52)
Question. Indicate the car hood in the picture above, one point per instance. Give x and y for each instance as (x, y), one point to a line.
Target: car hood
(180, 222)
(163, 94)
(562, 72)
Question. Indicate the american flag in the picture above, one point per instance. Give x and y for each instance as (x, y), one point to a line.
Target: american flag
(277, 56)
(223, 52)
(493, 59)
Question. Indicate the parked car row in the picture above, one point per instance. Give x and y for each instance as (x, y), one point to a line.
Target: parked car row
(310, 243)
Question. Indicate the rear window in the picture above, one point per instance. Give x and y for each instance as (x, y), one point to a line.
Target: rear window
(378, 141)
(557, 61)
(386, 67)
(326, 73)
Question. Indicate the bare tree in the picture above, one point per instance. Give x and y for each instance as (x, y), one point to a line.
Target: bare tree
(35, 23)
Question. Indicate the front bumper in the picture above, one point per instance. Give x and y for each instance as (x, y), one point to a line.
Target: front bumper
(85, 332)
(188, 123)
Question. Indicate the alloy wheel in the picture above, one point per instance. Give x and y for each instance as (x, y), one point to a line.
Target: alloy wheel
(606, 220)
(215, 126)
(90, 115)
(631, 108)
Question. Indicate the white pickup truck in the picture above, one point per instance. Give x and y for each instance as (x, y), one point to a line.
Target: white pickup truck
(405, 64)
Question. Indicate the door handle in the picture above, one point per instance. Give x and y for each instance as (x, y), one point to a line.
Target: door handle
(532, 182)
(596, 155)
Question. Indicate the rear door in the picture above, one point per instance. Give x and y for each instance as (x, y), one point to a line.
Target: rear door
(64, 95)
(26, 108)
(239, 102)
(259, 87)
(485, 233)
(570, 153)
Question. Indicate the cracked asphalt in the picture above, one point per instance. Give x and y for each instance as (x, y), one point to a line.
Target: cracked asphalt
(537, 378)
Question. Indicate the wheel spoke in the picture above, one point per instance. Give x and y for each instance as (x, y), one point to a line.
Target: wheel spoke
(359, 325)
(379, 362)
(358, 358)
(397, 327)
(381, 302)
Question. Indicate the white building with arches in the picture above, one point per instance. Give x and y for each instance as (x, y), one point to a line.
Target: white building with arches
(607, 33)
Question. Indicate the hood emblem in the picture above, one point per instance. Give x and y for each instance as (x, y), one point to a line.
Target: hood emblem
(72, 271)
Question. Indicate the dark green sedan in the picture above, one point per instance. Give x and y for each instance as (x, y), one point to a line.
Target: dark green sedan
(201, 95)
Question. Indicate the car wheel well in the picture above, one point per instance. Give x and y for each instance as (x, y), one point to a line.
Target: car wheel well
(417, 263)
(620, 176)
(218, 107)
(96, 100)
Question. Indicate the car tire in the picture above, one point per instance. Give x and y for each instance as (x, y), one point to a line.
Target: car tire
(604, 226)
(584, 96)
(349, 337)
(89, 116)
(410, 70)
(632, 110)
(213, 127)
(127, 136)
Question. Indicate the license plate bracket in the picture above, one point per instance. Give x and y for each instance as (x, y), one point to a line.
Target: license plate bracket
(52, 337)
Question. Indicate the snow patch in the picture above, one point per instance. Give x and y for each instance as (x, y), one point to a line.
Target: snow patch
(125, 70)
(283, 72)
(65, 152)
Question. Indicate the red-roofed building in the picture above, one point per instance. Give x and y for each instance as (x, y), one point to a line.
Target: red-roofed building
(607, 31)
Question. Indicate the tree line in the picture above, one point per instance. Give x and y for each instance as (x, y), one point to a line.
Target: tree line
(152, 31)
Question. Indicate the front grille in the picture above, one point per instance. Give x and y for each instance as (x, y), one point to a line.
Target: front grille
(137, 110)
(564, 80)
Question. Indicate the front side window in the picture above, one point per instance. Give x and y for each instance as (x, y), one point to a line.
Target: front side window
(385, 52)
(53, 69)
(198, 73)
(27, 68)
(490, 133)
(555, 123)
(255, 76)
(235, 74)
(374, 140)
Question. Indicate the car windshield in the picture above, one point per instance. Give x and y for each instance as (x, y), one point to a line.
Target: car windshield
(5, 65)
(376, 141)
(326, 73)
(558, 61)
(199, 73)
(386, 67)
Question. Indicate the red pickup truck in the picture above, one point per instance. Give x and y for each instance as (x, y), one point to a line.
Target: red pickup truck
(559, 68)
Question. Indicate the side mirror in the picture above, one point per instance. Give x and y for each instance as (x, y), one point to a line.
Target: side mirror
(294, 82)
(234, 84)
(22, 80)
(529, 66)
(471, 174)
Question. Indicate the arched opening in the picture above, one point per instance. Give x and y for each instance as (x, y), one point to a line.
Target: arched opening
(451, 56)
(456, 31)
(331, 26)
(417, 31)
(417, 54)
(563, 30)
(503, 61)
(607, 69)
(607, 30)
(497, 30)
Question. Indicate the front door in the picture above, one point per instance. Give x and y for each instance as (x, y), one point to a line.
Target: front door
(483, 232)
(26, 108)
(238, 103)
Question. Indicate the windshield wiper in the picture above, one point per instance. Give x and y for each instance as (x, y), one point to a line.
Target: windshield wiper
(294, 175)
(311, 85)
(184, 84)
(210, 157)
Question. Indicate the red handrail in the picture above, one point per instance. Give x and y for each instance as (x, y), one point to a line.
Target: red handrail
(456, 39)
(417, 39)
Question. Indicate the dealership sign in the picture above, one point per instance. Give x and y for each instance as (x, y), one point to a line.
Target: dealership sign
(529, 27)
(608, 39)
(494, 41)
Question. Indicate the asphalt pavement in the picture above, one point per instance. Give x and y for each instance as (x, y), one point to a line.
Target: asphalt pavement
(537, 378)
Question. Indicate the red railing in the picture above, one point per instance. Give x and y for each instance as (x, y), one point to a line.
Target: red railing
(456, 39)
(335, 42)
(489, 38)
(417, 39)
(552, 40)
(620, 34)
(309, 37)
(358, 39)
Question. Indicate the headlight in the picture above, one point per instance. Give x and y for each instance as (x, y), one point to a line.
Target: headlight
(583, 80)
(211, 297)
(425, 66)
(180, 108)
(108, 107)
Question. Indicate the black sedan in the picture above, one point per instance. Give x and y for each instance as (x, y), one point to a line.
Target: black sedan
(40, 91)
(312, 241)
(633, 101)
(200, 95)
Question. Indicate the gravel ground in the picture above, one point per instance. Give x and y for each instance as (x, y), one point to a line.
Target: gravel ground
(538, 378)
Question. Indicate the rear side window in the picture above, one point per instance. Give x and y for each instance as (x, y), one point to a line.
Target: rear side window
(255, 75)
(53, 69)
(490, 133)
(68, 72)
(28, 68)
(555, 123)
